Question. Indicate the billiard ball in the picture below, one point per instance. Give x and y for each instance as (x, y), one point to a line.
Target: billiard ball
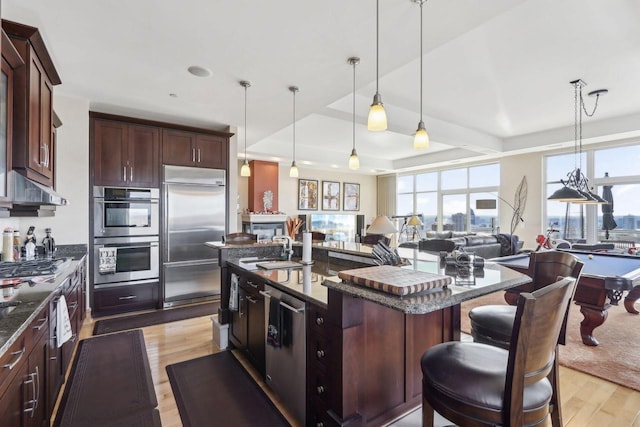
(590, 256)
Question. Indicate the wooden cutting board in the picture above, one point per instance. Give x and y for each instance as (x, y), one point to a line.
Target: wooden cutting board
(395, 280)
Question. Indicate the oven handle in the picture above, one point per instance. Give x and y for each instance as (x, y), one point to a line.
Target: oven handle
(150, 201)
(134, 246)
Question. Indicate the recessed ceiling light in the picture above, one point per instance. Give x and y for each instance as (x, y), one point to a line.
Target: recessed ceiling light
(199, 71)
(173, 95)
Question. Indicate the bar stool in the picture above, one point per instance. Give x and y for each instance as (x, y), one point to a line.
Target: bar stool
(493, 324)
(475, 384)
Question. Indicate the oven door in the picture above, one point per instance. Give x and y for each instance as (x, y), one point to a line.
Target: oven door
(124, 259)
(126, 217)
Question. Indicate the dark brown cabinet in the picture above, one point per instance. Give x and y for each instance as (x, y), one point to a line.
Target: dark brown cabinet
(120, 299)
(33, 145)
(125, 154)
(183, 148)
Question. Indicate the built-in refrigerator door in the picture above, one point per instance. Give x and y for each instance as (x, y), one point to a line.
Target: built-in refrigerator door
(194, 213)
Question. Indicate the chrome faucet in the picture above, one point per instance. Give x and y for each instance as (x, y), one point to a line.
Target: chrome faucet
(287, 245)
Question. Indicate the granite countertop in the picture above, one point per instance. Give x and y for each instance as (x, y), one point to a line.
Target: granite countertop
(312, 283)
(33, 299)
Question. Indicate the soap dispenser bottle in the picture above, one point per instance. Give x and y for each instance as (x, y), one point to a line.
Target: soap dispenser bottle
(49, 244)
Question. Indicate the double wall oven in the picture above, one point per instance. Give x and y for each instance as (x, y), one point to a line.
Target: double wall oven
(126, 248)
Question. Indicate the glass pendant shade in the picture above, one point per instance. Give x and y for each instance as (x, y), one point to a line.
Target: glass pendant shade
(245, 170)
(293, 171)
(377, 120)
(354, 162)
(421, 138)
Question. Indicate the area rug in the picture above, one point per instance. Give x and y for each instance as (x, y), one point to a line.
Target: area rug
(110, 380)
(215, 390)
(154, 318)
(616, 359)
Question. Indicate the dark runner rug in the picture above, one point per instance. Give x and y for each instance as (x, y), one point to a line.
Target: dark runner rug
(110, 381)
(216, 390)
(154, 318)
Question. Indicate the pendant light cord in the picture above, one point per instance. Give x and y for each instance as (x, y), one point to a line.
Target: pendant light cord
(354, 106)
(377, 42)
(294, 123)
(245, 123)
(421, 3)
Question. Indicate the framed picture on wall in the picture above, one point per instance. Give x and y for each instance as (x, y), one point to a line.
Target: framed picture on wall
(307, 194)
(351, 196)
(330, 196)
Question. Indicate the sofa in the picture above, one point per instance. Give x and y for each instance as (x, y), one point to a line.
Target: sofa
(484, 245)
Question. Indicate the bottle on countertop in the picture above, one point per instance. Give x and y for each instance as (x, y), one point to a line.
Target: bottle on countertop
(49, 244)
(17, 246)
(30, 244)
(7, 245)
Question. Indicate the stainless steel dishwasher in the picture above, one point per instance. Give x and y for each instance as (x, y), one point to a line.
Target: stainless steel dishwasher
(286, 365)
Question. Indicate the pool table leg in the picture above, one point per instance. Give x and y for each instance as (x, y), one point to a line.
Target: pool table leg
(630, 300)
(592, 319)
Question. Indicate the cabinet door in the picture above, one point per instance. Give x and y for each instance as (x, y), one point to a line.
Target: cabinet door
(35, 404)
(11, 402)
(36, 147)
(211, 152)
(46, 114)
(109, 144)
(238, 326)
(256, 332)
(143, 156)
(178, 147)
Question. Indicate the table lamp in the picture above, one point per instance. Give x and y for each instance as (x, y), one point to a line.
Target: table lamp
(382, 225)
(415, 222)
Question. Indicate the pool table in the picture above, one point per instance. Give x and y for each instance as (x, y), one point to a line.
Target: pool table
(604, 279)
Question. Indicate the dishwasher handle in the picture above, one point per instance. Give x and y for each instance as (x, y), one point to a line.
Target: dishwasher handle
(290, 308)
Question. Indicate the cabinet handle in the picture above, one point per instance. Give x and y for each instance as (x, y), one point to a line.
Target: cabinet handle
(250, 283)
(131, 173)
(13, 364)
(193, 155)
(37, 387)
(320, 389)
(199, 158)
(320, 354)
(124, 173)
(319, 320)
(320, 424)
(252, 300)
(46, 159)
(73, 305)
(43, 152)
(128, 297)
(34, 401)
(41, 324)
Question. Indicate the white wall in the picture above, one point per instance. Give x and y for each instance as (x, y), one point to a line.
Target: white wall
(70, 225)
(288, 191)
(512, 169)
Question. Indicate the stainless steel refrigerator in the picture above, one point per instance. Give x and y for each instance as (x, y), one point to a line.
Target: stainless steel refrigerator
(194, 213)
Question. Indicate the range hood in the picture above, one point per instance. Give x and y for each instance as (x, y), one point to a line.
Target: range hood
(25, 192)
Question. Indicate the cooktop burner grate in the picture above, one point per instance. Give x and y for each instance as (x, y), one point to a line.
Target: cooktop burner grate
(36, 267)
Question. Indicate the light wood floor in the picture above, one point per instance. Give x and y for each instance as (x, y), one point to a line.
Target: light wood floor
(587, 401)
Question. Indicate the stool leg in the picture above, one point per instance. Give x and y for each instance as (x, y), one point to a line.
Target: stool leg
(554, 377)
(427, 414)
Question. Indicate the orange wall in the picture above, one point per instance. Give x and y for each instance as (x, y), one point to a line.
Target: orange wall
(264, 177)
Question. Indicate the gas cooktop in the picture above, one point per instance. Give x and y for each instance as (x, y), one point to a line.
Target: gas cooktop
(31, 268)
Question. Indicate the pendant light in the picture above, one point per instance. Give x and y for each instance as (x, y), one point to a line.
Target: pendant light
(421, 138)
(245, 170)
(576, 187)
(377, 116)
(354, 162)
(293, 171)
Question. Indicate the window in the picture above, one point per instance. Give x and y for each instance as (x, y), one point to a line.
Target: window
(447, 199)
(586, 222)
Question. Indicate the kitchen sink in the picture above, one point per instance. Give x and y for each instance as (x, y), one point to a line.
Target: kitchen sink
(273, 265)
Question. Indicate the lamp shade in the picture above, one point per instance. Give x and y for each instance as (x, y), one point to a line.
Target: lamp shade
(245, 170)
(414, 220)
(421, 138)
(354, 162)
(566, 194)
(377, 119)
(382, 225)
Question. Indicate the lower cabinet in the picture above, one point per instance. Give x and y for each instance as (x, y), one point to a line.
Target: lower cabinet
(122, 299)
(247, 331)
(32, 370)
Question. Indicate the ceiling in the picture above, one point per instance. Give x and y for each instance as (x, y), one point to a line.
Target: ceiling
(496, 73)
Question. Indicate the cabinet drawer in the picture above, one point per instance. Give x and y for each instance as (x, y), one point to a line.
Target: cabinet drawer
(318, 416)
(38, 326)
(317, 320)
(318, 385)
(319, 350)
(125, 298)
(11, 360)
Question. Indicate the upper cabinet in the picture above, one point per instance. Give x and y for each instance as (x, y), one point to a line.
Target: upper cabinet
(125, 154)
(183, 148)
(33, 144)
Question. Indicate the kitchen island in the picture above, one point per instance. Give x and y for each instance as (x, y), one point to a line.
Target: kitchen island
(363, 346)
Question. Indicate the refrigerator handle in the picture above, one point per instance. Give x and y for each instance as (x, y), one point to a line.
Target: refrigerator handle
(165, 225)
